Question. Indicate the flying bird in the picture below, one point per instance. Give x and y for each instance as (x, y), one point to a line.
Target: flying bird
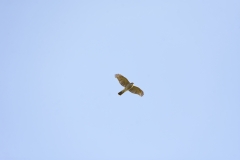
(128, 86)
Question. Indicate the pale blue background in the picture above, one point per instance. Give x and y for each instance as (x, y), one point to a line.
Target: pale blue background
(58, 94)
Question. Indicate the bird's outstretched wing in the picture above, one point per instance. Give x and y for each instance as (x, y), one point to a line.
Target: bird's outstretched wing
(122, 80)
(136, 90)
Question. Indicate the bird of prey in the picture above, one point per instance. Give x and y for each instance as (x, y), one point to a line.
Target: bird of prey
(128, 86)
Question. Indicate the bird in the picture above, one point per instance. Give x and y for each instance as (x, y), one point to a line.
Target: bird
(128, 86)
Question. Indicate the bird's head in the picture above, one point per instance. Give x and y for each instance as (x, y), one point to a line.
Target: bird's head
(132, 83)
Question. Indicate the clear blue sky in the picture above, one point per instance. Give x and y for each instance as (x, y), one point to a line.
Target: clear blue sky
(58, 93)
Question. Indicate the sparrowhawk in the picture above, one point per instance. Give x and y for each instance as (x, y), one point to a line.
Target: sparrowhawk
(128, 86)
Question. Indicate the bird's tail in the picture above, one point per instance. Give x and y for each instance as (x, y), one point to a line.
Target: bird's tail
(120, 93)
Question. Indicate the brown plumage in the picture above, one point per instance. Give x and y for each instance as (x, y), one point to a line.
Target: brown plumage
(128, 86)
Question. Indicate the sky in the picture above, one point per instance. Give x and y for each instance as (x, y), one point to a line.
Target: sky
(58, 93)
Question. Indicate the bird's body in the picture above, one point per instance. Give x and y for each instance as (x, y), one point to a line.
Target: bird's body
(128, 86)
